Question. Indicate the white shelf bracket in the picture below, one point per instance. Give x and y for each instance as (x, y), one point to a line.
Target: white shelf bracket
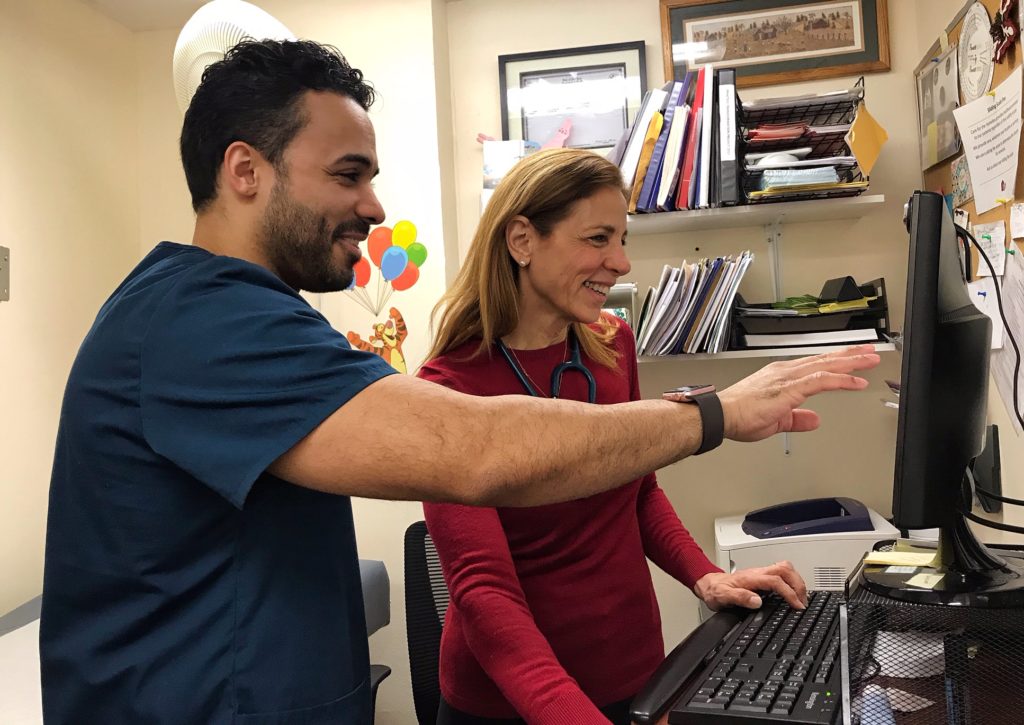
(773, 235)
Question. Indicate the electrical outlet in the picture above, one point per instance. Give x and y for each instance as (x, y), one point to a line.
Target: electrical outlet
(5, 274)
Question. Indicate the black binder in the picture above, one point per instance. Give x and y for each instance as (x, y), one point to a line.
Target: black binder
(729, 190)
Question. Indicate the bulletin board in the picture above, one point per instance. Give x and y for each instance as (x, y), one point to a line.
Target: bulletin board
(940, 176)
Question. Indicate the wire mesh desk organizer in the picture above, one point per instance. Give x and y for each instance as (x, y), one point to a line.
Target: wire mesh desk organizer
(796, 147)
(907, 663)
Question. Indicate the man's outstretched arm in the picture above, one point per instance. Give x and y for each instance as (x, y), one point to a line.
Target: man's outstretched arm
(405, 438)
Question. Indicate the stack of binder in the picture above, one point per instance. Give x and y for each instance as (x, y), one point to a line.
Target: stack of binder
(844, 313)
(683, 150)
(796, 148)
(690, 309)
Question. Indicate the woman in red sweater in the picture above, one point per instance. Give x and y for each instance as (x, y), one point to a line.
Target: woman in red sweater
(553, 616)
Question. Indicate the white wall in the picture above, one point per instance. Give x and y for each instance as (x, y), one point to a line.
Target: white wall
(69, 216)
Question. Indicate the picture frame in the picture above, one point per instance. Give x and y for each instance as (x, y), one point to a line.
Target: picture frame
(590, 95)
(938, 95)
(775, 41)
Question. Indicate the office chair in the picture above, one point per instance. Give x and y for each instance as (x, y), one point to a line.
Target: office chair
(426, 601)
(377, 604)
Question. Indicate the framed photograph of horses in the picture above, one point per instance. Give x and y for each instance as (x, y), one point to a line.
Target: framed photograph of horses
(775, 41)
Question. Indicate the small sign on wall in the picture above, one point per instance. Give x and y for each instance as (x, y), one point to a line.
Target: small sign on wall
(5, 274)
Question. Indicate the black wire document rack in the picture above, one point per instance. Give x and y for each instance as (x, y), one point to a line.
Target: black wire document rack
(804, 133)
(917, 664)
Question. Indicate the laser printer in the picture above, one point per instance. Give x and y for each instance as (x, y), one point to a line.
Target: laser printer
(824, 538)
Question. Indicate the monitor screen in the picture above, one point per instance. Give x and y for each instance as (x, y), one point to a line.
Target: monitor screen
(944, 373)
(941, 428)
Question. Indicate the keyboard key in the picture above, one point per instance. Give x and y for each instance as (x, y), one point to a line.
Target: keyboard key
(748, 707)
(707, 705)
(783, 707)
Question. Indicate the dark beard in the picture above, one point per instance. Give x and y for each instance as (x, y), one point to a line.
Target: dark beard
(299, 246)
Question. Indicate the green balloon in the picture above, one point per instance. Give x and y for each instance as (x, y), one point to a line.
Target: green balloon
(417, 253)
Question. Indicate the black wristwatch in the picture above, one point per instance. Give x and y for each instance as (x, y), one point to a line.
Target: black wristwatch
(711, 416)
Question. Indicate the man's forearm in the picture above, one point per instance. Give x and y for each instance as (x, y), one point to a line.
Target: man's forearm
(541, 451)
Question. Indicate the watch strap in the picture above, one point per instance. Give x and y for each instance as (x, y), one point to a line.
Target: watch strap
(712, 421)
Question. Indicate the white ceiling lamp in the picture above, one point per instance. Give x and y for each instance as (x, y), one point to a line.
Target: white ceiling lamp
(210, 33)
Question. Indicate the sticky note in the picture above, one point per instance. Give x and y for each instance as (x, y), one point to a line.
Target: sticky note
(900, 558)
(925, 581)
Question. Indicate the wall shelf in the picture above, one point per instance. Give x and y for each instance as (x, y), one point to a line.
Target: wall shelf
(753, 215)
(759, 353)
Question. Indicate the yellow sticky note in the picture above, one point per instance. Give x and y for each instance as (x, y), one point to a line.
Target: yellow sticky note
(925, 581)
(900, 558)
(865, 139)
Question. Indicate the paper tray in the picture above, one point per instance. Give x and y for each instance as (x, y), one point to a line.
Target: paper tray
(811, 323)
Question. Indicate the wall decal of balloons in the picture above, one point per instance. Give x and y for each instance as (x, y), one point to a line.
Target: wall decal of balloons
(398, 257)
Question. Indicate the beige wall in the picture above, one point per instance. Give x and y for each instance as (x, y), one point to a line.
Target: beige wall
(95, 182)
(853, 452)
(69, 216)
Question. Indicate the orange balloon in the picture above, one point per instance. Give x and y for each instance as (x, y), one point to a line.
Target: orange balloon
(362, 270)
(407, 278)
(378, 242)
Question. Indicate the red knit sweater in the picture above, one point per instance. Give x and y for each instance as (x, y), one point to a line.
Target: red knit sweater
(552, 607)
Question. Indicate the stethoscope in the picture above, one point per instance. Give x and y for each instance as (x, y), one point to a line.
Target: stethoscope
(573, 363)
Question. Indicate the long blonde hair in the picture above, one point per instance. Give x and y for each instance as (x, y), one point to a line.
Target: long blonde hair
(483, 300)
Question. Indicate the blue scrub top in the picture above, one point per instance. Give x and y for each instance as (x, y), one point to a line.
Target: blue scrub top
(182, 583)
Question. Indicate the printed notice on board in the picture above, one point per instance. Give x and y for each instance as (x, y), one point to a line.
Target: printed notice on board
(990, 130)
(1003, 361)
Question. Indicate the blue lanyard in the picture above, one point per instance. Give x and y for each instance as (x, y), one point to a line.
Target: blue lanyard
(574, 362)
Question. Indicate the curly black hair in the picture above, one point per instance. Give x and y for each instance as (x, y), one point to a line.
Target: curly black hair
(254, 95)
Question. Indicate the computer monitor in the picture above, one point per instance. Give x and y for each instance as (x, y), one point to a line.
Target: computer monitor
(941, 427)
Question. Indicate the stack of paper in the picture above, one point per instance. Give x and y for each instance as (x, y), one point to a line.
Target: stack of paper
(690, 309)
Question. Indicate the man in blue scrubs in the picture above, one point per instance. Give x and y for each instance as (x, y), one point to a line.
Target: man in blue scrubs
(201, 563)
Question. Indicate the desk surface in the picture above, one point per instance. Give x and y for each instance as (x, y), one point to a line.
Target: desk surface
(20, 693)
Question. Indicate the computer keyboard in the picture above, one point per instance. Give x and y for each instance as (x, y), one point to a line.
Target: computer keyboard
(780, 664)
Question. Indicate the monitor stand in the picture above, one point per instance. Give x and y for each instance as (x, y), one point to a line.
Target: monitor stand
(971, 574)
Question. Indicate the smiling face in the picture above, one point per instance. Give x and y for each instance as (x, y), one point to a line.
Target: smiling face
(571, 270)
(322, 203)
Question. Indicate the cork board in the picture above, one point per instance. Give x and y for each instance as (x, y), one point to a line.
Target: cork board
(940, 176)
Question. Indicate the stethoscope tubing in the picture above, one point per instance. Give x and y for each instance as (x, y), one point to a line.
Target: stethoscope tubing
(575, 362)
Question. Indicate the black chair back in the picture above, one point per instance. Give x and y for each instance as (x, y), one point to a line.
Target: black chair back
(426, 601)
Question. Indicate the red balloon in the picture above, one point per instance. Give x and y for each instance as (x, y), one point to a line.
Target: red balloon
(362, 270)
(407, 278)
(378, 242)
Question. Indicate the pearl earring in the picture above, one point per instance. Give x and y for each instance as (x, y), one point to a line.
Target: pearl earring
(523, 263)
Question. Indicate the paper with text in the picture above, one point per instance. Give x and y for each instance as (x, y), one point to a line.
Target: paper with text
(990, 130)
(1017, 221)
(1003, 361)
(992, 238)
(983, 295)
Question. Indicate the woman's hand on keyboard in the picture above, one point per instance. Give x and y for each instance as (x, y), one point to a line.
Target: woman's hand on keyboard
(740, 588)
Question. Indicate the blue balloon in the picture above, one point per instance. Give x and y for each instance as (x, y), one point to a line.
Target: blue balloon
(393, 262)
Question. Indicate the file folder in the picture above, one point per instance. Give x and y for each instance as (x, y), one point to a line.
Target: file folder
(729, 192)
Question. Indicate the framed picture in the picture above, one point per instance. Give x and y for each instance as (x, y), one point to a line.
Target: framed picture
(588, 95)
(937, 96)
(775, 41)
